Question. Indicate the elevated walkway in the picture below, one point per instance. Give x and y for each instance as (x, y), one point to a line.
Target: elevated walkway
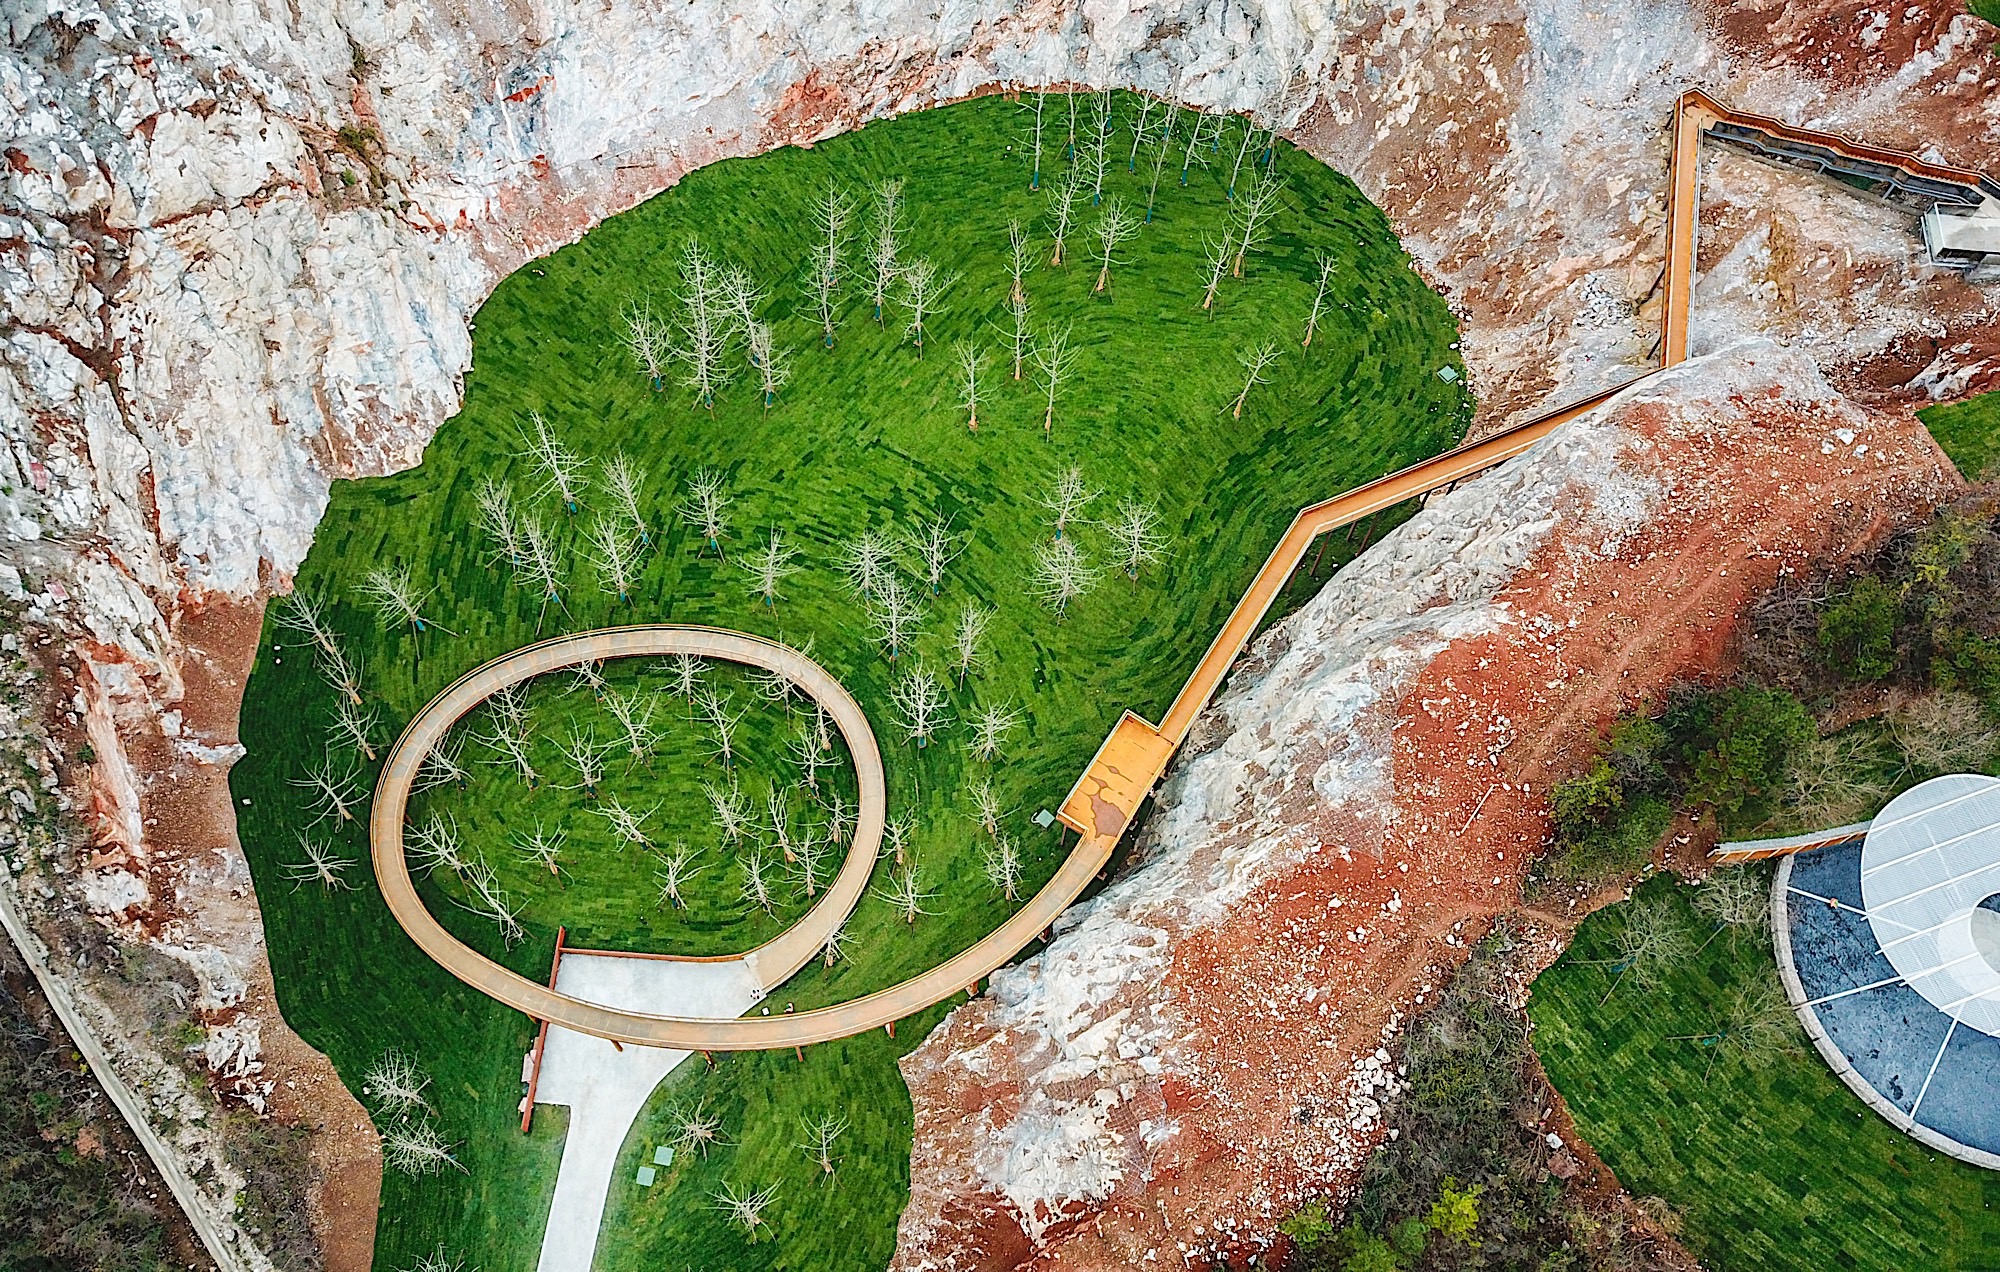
(1739, 851)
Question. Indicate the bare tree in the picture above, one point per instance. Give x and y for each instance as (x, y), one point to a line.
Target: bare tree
(730, 808)
(886, 248)
(1253, 212)
(1139, 134)
(839, 817)
(986, 806)
(706, 508)
(1160, 153)
(740, 299)
(648, 341)
(1215, 261)
(1735, 901)
(1002, 862)
(495, 505)
(703, 325)
(1942, 732)
(322, 866)
(1054, 359)
(969, 362)
(757, 882)
(770, 565)
(990, 729)
(1062, 210)
(896, 835)
(397, 599)
(920, 704)
(812, 748)
(1650, 945)
(584, 753)
(336, 789)
(490, 902)
(821, 1134)
(1136, 533)
(539, 563)
(714, 707)
(634, 710)
(1193, 156)
(444, 764)
(436, 845)
(1062, 574)
(830, 217)
(692, 1128)
(1114, 226)
(1021, 337)
(932, 547)
(624, 483)
(866, 562)
(1236, 169)
(396, 1084)
(1325, 263)
(684, 675)
(305, 615)
(1097, 153)
(894, 614)
(437, 1261)
(1066, 497)
(906, 894)
(810, 852)
(744, 1208)
(837, 944)
(627, 823)
(1035, 144)
(968, 639)
(773, 364)
(563, 472)
(542, 848)
(778, 807)
(355, 725)
(614, 555)
(1829, 780)
(923, 295)
(1019, 257)
(417, 1148)
(1255, 362)
(677, 868)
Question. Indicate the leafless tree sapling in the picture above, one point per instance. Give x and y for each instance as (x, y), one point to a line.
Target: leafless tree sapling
(894, 614)
(810, 850)
(540, 564)
(924, 287)
(396, 1084)
(920, 704)
(867, 562)
(1066, 496)
(821, 1133)
(634, 710)
(1062, 574)
(1139, 133)
(1114, 227)
(305, 615)
(884, 254)
(684, 675)
(969, 362)
(770, 565)
(543, 848)
(906, 894)
(417, 1148)
(336, 789)
(704, 325)
(692, 1128)
(435, 845)
(1097, 153)
(713, 705)
(1017, 309)
(1325, 263)
(397, 599)
(624, 484)
(444, 764)
(1135, 532)
(897, 832)
(676, 870)
(729, 808)
(1254, 210)
(706, 508)
(1255, 362)
(648, 341)
(830, 218)
(1002, 862)
(584, 753)
(990, 728)
(745, 1208)
(932, 547)
(322, 865)
(626, 822)
(563, 472)
(968, 639)
(614, 555)
(1062, 210)
(1215, 265)
(1160, 154)
(1054, 360)
(986, 806)
(495, 505)
(757, 882)
(773, 364)
(1035, 140)
(355, 726)
(778, 808)
(1019, 257)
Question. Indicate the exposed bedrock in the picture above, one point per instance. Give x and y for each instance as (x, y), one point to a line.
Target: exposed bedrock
(1199, 1045)
(241, 246)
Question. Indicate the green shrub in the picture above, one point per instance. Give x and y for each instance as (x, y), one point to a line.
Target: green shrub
(1455, 1213)
(1309, 1227)
(1857, 629)
(1970, 664)
(1734, 744)
(1637, 750)
(1583, 805)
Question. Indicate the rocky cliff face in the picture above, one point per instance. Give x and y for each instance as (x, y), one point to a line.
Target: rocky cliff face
(241, 245)
(1201, 1046)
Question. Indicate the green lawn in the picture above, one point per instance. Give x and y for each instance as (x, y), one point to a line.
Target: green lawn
(1969, 431)
(1776, 1166)
(865, 436)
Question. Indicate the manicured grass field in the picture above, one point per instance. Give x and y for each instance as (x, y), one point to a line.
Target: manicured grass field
(865, 436)
(1776, 1166)
(1969, 431)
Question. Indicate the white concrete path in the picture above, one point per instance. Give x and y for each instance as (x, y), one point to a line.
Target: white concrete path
(605, 1088)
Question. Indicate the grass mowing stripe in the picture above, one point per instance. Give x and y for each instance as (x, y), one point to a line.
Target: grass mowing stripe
(865, 435)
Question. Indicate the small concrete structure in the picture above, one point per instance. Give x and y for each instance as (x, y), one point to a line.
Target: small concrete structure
(605, 1087)
(1969, 242)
